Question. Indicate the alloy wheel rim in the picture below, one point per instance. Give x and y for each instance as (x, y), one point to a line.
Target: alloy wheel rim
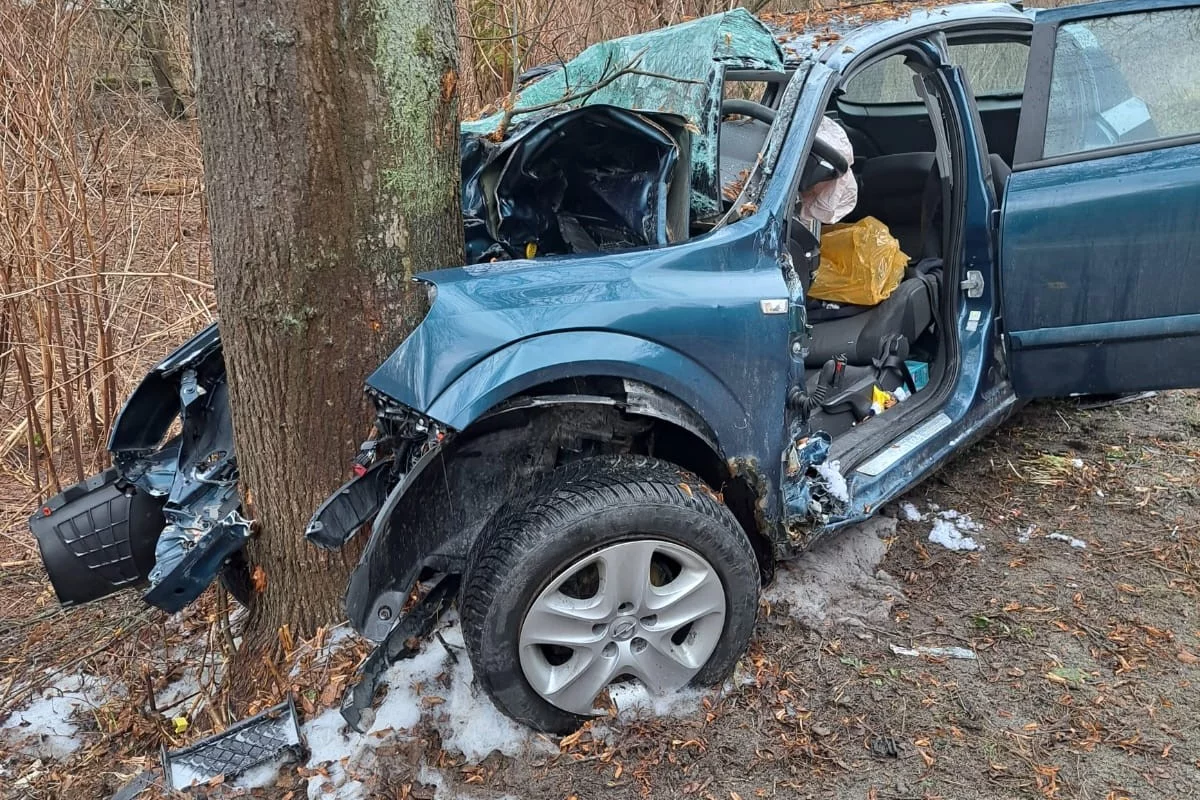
(645, 609)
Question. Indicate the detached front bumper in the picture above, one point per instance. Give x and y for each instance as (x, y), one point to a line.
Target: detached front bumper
(168, 512)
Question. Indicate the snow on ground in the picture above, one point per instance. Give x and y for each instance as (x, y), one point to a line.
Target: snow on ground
(172, 699)
(953, 529)
(1071, 540)
(633, 700)
(437, 687)
(46, 726)
(1026, 534)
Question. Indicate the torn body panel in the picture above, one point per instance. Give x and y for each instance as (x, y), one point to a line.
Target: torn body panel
(677, 70)
(582, 181)
(189, 479)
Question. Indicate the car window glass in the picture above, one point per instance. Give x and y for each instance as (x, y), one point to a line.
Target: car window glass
(886, 81)
(996, 69)
(1124, 79)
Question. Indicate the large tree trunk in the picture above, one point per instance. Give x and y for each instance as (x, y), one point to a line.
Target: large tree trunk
(330, 139)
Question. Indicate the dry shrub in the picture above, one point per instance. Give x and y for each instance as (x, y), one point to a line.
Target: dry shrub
(495, 34)
(103, 260)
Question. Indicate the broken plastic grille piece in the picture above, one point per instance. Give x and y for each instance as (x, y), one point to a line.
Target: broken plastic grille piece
(273, 735)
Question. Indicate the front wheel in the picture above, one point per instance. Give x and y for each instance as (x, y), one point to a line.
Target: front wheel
(612, 569)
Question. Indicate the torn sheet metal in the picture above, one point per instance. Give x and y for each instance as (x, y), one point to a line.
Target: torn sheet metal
(676, 70)
(168, 512)
(588, 180)
(273, 735)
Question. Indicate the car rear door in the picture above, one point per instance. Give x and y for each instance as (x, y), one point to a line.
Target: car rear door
(1100, 230)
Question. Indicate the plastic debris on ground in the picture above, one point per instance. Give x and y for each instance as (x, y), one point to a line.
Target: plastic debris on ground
(1093, 402)
(964, 653)
(257, 745)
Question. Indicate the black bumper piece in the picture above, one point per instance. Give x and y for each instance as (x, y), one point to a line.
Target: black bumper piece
(97, 537)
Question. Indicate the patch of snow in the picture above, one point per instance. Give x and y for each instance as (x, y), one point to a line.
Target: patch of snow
(910, 512)
(952, 529)
(431, 777)
(835, 482)
(186, 686)
(466, 718)
(407, 682)
(633, 700)
(331, 747)
(1071, 540)
(259, 777)
(44, 727)
(468, 721)
(1077, 463)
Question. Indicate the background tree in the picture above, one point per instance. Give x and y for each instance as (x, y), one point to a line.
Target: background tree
(330, 143)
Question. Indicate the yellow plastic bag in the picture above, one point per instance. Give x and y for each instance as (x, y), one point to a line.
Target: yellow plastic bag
(861, 263)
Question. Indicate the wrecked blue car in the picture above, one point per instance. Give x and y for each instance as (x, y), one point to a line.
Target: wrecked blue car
(629, 406)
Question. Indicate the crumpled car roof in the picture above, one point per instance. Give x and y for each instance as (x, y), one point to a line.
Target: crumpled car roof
(676, 70)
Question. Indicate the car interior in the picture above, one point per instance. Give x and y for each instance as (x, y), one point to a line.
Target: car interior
(895, 345)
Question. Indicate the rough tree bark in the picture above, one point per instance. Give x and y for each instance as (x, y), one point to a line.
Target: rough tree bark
(331, 161)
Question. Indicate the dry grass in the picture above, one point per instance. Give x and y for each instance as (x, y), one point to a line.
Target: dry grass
(105, 257)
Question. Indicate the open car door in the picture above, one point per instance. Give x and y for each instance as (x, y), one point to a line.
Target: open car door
(1100, 232)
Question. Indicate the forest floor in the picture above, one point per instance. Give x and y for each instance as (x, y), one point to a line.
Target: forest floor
(1070, 646)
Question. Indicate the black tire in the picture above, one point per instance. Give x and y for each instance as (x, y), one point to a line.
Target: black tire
(579, 509)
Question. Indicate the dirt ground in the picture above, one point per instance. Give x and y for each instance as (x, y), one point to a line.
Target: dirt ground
(1082, 685)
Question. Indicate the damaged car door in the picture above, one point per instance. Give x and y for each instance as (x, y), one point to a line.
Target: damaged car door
(1099, 239)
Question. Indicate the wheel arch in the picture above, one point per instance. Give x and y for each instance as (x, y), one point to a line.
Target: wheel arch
(430, 527)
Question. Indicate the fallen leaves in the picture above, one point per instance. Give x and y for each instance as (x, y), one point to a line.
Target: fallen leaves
(258, 579)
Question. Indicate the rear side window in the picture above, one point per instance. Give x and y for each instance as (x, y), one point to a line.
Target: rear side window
(996, 69)
(1124, 79)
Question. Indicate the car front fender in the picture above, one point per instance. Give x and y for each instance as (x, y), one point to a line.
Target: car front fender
(586, 354)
